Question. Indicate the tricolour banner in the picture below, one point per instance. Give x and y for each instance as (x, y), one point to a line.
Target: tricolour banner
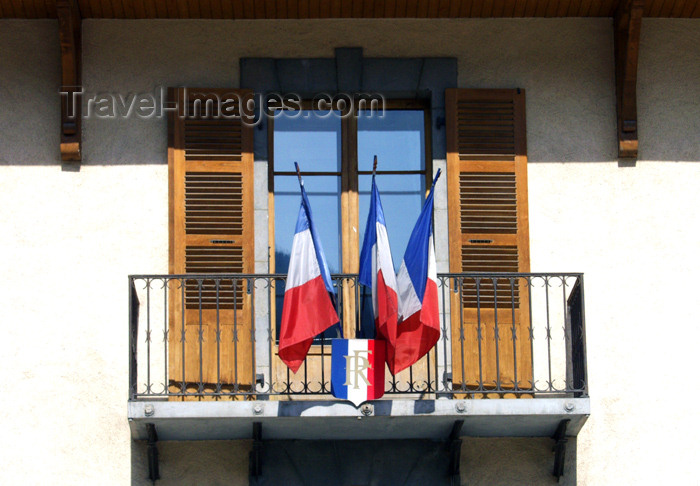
(357, 369)
(419, 320)
(308, 307)
(377, 273)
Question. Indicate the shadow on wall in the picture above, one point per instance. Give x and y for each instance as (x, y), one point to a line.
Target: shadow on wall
(483, 461)
(550, 139)
(213, 462)
(514, 461)
(570, 107)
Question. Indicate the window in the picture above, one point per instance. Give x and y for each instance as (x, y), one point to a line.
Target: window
(335, 151)
(212, 218)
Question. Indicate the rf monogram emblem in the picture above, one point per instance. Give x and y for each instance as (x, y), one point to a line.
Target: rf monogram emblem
(357, 369)
(356, 366)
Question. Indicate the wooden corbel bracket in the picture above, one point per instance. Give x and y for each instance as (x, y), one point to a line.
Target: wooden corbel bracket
(628, 21)
(69, 29)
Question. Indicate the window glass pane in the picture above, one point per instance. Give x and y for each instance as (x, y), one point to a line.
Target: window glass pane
(398, 140)
(309, 138)
(396, 137)
(402, 198)
(324, 197)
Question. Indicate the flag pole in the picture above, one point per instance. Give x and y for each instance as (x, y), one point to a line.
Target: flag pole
(437, 176)
(374, 167)
(307, 210)
(303, 191)
(301, 186)
(301, 181)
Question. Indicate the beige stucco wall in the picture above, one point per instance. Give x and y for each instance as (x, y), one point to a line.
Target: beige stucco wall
(70, 237)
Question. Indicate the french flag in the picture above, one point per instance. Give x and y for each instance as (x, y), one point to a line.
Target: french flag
(309, 296)
(377, 273)
(418, 329)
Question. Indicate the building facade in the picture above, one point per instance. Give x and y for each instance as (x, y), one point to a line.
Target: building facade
(73, 233)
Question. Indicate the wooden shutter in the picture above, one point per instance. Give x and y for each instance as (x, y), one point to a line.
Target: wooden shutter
(210, 157)
(488, 224)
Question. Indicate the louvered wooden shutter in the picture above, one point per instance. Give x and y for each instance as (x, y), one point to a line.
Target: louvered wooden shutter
(211, 232)
(488, 225)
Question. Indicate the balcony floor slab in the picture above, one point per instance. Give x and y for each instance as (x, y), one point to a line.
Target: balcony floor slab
(333, 420)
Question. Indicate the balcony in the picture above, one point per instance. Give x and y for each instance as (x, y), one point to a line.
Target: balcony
(203, 364)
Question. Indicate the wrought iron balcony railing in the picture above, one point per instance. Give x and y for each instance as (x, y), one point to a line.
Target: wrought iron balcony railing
(214, 337)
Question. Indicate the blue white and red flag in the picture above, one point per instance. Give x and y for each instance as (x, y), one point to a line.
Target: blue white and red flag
(418, 327)
(309, 297)
(357, 369)
(377, 272)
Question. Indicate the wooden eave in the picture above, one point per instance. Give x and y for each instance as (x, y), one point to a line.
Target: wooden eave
(320, 9)
(627, 26)
(70, 35)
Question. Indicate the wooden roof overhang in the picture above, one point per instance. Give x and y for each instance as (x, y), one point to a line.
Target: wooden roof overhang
(320, 9)
(627, 15)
